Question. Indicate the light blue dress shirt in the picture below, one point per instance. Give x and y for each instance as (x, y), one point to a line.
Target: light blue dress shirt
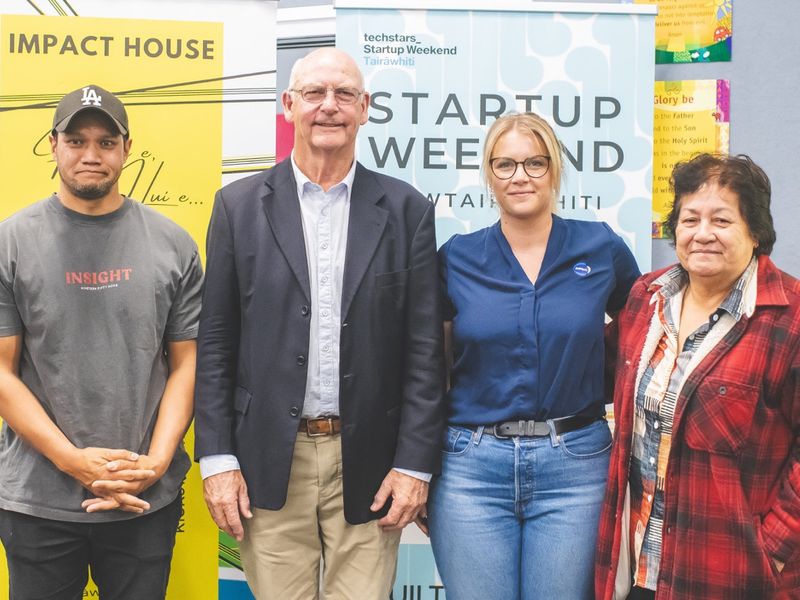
(325, 218)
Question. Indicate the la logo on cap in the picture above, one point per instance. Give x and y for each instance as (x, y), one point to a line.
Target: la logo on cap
(90, 97)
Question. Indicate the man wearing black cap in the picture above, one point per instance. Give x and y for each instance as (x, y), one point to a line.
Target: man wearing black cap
(99, 300)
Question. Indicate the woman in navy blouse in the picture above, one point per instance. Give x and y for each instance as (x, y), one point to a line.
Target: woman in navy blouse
(514, 513)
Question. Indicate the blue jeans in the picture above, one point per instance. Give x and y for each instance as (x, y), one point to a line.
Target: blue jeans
(516, 518)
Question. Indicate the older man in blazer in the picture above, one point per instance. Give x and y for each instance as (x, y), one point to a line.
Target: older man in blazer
(320, 385)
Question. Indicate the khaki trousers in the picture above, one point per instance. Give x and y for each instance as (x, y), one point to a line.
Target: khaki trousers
(281, 550)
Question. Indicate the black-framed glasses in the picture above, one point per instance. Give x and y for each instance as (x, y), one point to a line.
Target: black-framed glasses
(534, 166)
(316, 94)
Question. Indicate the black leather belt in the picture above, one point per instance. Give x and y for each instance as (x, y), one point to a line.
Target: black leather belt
(508, 429)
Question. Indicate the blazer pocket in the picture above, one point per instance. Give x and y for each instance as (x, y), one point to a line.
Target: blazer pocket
(393, 414)
(241, 400)
(392, 278)
(720, 416)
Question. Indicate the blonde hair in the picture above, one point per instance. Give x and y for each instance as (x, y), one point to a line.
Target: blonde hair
(535, 126)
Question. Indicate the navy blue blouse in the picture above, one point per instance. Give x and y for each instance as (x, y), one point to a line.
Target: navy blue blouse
(525, 351)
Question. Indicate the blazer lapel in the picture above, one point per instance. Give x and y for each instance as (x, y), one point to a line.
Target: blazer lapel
(366, 224)
(283, 215)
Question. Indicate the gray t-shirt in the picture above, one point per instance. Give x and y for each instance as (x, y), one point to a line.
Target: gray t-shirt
(96, 299)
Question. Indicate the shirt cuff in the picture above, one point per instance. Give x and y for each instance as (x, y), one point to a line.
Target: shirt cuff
(426, 477)
(214, 464)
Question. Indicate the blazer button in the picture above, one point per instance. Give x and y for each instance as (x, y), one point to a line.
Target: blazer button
(294, 411)
(304, 310)
(301, 360)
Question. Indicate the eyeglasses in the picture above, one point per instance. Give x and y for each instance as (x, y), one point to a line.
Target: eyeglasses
(534, 166)
(316, 94)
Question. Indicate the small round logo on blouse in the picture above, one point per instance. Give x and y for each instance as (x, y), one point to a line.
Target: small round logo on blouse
(581, 269)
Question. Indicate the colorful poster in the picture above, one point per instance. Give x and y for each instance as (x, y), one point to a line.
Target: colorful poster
(690, 31)
(690, 117)
(198, 81)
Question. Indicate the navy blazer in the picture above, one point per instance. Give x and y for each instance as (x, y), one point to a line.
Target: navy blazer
(254, 336)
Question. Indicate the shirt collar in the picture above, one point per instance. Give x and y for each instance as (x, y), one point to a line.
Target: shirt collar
(736, 303)
(301, 179)
(671, 282)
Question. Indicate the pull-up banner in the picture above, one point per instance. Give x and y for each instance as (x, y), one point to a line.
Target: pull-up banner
(439, 77)
(198, 82)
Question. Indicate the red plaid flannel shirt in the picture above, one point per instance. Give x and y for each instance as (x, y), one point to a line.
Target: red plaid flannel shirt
(732, 500)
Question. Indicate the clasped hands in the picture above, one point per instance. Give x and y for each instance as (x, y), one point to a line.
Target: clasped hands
(116, 477)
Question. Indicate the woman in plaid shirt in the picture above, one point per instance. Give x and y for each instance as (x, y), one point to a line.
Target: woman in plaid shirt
(703, 495)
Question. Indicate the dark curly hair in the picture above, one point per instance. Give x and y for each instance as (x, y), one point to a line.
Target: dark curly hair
(741, 176)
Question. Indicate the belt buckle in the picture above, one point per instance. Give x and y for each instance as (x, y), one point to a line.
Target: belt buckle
(497, 434)
(319, 433)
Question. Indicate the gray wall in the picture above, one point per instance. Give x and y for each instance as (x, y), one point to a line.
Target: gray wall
(765, 82)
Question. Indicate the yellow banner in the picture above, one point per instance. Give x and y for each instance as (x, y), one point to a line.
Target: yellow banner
(168, 75)
(690, 117)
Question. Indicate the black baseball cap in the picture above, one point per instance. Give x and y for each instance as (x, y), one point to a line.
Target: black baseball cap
(90, 97)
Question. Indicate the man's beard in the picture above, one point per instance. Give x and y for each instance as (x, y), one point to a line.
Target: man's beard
(92, 191)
